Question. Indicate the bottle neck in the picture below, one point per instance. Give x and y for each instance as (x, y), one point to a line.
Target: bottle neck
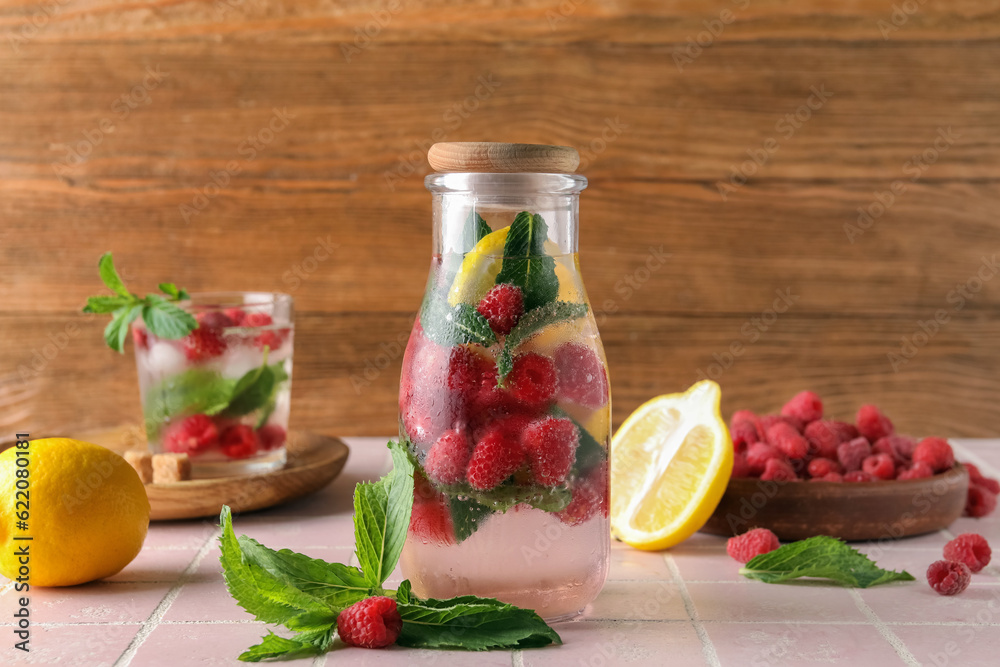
(463, 202)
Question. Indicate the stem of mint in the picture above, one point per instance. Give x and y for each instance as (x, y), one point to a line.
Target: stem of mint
(161, 316)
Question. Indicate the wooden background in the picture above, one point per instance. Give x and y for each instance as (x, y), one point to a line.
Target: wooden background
(676, 119)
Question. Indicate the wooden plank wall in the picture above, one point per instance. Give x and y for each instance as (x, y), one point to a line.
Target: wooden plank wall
(741, 136)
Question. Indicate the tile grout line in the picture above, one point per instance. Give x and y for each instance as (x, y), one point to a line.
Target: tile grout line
(516, 658)
(897, 644)
(157, 614)
(707, 647)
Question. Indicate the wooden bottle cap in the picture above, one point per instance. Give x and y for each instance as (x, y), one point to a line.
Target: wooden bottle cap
(491, 157)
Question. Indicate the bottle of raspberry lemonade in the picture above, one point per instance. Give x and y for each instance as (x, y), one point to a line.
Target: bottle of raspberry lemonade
(504, 396)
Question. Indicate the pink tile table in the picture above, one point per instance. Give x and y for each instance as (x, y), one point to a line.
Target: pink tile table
(685, 606)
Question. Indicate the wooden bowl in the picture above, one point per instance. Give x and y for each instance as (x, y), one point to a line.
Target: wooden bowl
(850, 511)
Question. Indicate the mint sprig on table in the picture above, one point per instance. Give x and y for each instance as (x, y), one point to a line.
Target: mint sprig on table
(162, 317)
(820, 557)
(306, 594)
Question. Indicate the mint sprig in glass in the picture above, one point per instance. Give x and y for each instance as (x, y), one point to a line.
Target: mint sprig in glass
(214, 371)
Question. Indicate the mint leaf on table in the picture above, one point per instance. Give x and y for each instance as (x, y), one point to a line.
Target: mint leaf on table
(525, 263)
(161, 316)
(382, 517)
(821, 557)
(531, 323)
(303, 645)
(471, 623)
(454, 325)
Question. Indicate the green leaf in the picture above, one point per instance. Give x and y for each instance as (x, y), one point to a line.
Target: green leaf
(266, 597)
(117, 329)
(302, 645)
(165, 320)
(106, 267)
(466, 516)
(382, 517)
(338, 586)
(105, 304)
(821, 557)
(525, 262)
(531, 323)
(504, 497)
(170, 290)
(196, 390)
(403, 593)
(475, 230)
(473, 624)
(252, 391)
(448, 326)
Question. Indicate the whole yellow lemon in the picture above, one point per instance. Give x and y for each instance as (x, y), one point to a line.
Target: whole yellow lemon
(83, 507)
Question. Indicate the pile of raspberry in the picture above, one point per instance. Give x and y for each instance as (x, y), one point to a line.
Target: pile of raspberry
(483, 435)
(211, 338)
(966, 554)
(197, 435)
(799, 444)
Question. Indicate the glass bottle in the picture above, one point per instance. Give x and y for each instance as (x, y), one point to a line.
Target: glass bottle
(505, 400)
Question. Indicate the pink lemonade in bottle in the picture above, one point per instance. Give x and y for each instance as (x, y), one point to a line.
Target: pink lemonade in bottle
(505, 401)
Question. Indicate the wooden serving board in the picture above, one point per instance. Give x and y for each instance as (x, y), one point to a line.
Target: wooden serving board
(850, 511)
(313, 461)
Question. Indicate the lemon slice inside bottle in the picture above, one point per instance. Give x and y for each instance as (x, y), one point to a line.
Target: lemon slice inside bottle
(479, 269)
(670, 464)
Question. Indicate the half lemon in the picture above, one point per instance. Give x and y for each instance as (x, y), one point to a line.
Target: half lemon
(670, 464)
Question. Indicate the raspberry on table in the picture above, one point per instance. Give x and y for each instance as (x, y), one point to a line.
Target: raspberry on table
(271, 436)
(899, 447)
(758, 454)
(971, 549)
(872, 423)
(918, 470)
(371, 623)
(191, 435)
(448, 458)
(858, 476)
(203, 344)
(778, 470)
(787, 440)
(590, 497)
(502, 307)
(752, 543)
(821, 467)
(239, 442)
(980, 501)
(879, 466)
(976, 477)
(497, 455)
(581, 375)
(948, 577)
(935, 452)
(532, 380)
(550, 445)
(805, 406)
(852, 454)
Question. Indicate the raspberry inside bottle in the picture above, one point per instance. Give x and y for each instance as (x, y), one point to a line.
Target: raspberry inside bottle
(504, 396)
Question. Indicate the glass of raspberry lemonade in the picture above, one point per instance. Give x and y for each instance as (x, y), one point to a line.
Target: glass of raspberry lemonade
(222, 393)
(505, 401)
